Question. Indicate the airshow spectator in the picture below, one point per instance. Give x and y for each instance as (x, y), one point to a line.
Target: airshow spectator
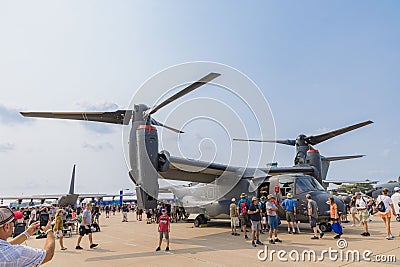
(353, 210)
(272, 212)
(85, 229)
(163, 229)
(290, 208)
(255, 218)
(385, 215)
(334, 215)
(58, 227)
(362, 207)
(263, 209)
(242, 208)
(12, 253)
(125, 211)
(396, 199)
(313, 215)
(234, 217)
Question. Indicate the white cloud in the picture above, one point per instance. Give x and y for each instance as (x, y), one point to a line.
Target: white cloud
(5, 147)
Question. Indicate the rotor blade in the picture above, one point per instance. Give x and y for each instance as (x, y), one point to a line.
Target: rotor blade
(283, 142)
(156, 123)
(313, 140)
(116, 117)
(209, 77)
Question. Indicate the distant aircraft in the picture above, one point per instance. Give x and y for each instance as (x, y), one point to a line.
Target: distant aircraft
(62, 199)
(378, 189)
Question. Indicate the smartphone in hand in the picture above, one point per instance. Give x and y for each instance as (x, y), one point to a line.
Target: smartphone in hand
(44, 219)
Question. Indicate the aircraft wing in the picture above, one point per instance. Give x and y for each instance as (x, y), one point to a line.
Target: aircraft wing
(337, 182)
(190, 170)
(36, 197)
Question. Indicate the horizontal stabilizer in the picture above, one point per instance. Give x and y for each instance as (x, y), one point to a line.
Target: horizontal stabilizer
(116, 117)
(341, 158)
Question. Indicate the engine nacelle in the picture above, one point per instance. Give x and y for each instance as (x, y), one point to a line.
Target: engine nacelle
(163, 161)
(314, 159)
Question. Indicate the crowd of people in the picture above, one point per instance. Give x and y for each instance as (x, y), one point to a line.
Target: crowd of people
(262, 215)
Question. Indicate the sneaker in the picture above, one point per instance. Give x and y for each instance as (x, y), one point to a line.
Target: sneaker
(337, 236)
(63, 248)
(158, 249)
(233, 233)
(290, 232)
(93, 245)
(278, 240)
(246, 237)
(253, 244)
(295, 232)
(236, 234)
(271, 241)
(321, 235)
(389, 237)
(314, 237)
(78, 247)
(258, 242)
(167, 249)
(365, 234)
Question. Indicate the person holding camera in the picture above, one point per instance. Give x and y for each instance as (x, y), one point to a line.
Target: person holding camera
(14, 254)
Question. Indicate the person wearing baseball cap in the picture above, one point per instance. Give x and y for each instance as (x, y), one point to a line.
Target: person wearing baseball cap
(273, 221)
(242, 208)
(255, 218)
(14, 254)
(234, 217)
(289, 206)
(396, 199)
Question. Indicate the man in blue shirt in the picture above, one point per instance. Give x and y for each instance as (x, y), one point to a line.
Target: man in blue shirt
(242, 208)
(290, 207)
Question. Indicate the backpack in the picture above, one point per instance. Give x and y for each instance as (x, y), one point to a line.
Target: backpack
(243, 207)
(263, 207)
(381, 206)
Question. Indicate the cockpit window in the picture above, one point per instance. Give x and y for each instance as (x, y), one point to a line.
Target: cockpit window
(306, 184)
(286, 186)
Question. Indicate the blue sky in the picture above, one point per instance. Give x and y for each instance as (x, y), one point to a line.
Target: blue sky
(321, 65)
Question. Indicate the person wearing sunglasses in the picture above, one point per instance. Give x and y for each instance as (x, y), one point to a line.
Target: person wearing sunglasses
(14, 254)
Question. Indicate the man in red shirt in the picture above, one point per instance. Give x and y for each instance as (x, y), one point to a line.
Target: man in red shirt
(163, 229)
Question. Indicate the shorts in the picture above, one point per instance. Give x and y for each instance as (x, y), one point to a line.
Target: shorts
(255, 225)
(313, 222)
(273, 222)
(243, 219)
(58, 233)
(234, 221)
(165, 234)
(364, 215)
(353, 210)
(386, 215)
(83, 231)
(290, 216)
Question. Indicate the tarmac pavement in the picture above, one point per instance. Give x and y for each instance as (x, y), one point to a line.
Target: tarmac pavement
(134, 243)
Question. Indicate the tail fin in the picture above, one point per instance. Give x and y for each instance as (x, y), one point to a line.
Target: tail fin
(72, 185)
(327, 160)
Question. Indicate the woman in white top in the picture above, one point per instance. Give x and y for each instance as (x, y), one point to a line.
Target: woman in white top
(385, 215)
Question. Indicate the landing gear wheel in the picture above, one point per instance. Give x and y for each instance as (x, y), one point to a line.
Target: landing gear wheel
(197, 222)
